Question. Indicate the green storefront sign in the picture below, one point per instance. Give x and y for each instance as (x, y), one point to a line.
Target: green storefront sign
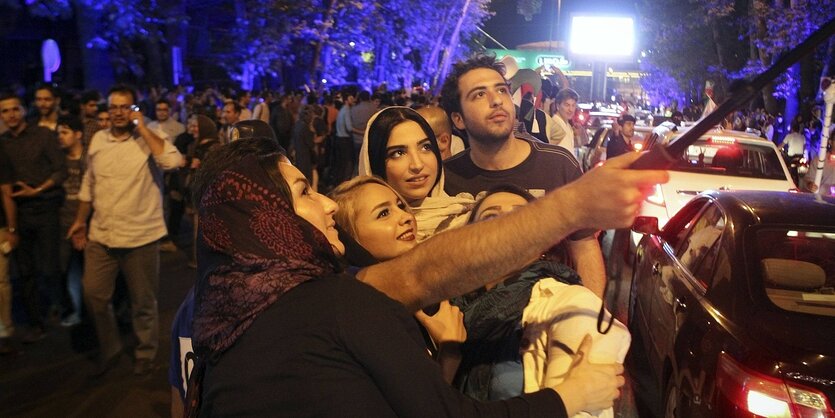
(533, 59)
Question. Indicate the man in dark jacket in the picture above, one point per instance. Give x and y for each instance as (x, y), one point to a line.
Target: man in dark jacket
(39, 169)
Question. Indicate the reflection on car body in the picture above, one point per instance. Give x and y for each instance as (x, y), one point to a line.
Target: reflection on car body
(733, 304)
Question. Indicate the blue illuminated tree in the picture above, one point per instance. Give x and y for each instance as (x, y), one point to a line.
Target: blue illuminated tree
(313, 42)
(724, 40)
(369, 42)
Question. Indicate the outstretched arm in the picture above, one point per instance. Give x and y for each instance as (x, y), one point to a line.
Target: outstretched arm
(588, 258)
(604, 198)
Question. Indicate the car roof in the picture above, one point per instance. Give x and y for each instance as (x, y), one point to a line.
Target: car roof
(743, 137)
(771, 207)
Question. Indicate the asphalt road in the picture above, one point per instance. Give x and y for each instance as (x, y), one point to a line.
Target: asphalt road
(50, 378)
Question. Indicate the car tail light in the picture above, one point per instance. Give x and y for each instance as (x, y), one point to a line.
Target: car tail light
(657, 196)
(749, 392)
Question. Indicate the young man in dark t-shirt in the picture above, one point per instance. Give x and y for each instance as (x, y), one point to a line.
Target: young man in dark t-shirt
(71, 136)
(8, 241)
(39, 170)
(477, 98)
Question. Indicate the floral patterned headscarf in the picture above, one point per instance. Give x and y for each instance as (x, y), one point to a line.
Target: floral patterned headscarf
(252, 249)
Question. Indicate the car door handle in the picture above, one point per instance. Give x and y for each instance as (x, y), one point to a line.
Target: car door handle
(656, 269)
(680, 306)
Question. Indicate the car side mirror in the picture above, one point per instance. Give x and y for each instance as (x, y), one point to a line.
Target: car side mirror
(646, 225)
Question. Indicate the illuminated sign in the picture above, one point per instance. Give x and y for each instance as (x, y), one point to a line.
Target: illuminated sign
(533, 59)
(558, 61)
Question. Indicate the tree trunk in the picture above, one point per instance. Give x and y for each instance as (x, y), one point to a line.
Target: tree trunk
(316, 62)
(769, 101)
(432, 62)
(449, 52)
(720, 59)
(98, 73)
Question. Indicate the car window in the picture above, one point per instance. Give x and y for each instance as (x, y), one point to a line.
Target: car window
(729, 158)
(676, 229)
(797, 268)
(698, 252)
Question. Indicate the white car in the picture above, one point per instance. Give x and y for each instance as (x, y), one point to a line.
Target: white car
(719, 160)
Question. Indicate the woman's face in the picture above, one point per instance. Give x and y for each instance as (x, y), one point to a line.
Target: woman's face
(411, 165)
(383, 225)
(311, 206)
(193, 128)
(498, 204)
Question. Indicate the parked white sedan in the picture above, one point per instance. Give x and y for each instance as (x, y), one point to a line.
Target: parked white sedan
(719, 160)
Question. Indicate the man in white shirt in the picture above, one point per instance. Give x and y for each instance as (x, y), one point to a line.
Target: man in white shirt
(794, 142)
(566, 100)
(165, 123)
(123, 184)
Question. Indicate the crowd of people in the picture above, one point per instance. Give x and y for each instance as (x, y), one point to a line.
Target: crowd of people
(453, 271)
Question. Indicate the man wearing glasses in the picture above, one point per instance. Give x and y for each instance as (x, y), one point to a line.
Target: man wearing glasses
(123, 184)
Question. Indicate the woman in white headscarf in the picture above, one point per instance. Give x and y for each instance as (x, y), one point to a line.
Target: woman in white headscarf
(400, 147)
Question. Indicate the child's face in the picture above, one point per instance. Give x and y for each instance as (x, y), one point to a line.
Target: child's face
(67, 137)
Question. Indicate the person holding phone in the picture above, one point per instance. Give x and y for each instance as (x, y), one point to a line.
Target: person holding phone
(38, 170)
(122, 183)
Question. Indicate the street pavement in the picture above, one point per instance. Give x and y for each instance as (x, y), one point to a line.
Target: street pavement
(50, 378)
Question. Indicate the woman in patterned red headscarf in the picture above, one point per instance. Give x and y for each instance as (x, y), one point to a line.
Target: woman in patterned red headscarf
(281, 330)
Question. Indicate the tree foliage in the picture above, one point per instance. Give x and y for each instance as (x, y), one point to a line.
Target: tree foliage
(397, 42)
(369, 42)
(725, 40)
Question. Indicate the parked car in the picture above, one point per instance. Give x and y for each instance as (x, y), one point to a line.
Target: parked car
(719, 160)
(732, 306)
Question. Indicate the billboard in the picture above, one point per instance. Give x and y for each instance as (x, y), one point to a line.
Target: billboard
(602, 37)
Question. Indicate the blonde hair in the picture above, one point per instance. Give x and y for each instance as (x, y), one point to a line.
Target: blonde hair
(346, 196)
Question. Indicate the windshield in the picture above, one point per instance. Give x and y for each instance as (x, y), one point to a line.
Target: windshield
(797, 268)
(724, 156)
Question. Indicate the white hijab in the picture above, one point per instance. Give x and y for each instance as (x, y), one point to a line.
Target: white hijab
(438, 211)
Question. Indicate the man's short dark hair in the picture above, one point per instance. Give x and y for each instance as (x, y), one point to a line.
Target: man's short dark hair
(165, 102)
(626, 118)
(49, 87)
(450, 95)
(9, 95)
(566, 94)
(90, 96)
(123, 89)
(237, 106)
(72, 122)
(349, 91)
(364, 96)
